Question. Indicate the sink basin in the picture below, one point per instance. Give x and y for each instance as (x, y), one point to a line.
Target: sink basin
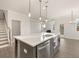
(48, 35)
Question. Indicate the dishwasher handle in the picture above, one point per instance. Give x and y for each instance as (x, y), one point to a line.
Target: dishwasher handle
(43, 46)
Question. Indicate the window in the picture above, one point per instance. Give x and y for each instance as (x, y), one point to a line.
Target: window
(77, 24)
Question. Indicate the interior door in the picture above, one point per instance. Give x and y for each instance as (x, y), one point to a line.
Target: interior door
(16, 27)
(62, 29)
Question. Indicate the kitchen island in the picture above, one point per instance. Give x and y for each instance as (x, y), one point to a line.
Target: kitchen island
(35, 46)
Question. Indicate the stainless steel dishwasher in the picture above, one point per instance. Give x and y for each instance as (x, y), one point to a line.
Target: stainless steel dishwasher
(43, 50)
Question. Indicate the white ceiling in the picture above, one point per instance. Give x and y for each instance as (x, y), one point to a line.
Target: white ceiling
(56, 7)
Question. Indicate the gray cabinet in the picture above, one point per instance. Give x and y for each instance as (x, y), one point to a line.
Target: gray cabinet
(25, 51)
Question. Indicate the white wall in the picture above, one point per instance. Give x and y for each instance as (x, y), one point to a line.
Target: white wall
(51, 25)
(25, 23)
(35, 27)
(69, 32)
(69, 29)
(25, 27)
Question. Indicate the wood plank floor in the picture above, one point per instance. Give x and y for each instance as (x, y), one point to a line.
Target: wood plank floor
(68, 49)
(6, 52)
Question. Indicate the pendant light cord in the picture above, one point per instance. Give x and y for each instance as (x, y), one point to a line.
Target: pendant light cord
(40, 7)
(46, 9)
(72, 16)
(46, 12)
(29, 6)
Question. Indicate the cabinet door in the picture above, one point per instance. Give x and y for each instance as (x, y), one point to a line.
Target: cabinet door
(26, 51)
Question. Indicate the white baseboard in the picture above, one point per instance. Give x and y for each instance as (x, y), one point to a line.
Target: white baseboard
(66, 37)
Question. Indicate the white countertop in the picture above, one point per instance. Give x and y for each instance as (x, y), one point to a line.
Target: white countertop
(33, 39)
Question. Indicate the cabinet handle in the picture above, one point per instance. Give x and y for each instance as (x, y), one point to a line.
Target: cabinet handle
(43, 46)
(25, 51)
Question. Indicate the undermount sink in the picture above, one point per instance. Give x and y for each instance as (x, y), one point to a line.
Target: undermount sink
(48, 35)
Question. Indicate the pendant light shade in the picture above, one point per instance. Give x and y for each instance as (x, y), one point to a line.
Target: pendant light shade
(40, 18)
(29, 15)
(72, 18)
(46, 20)
(71, 21)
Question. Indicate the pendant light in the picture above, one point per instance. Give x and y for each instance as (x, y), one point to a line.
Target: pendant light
(29, 15)
(72, 18)
(71, 21)
(46, 11)
(46, 14)
(40, 18)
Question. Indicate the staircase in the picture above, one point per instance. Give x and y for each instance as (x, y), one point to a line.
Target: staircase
(3, 34)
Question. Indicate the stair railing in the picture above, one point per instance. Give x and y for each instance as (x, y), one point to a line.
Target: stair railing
(7, 29)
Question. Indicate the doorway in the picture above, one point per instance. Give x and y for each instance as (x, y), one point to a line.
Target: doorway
(16, 27)
(62, 29)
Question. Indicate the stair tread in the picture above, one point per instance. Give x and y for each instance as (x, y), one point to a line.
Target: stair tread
(3, 46)
(3, 36)
(3, 33)
(1, 23)
(2, 27)
(3, 42)
(2, 30)
(2, 19)
(3, 39)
